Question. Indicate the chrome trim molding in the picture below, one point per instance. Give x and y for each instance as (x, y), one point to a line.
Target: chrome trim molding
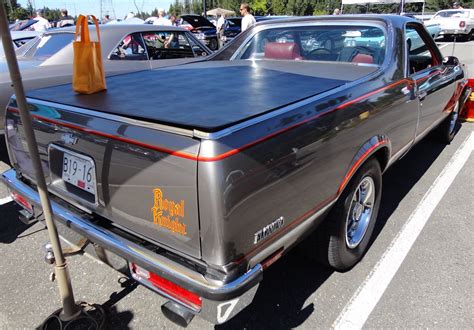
(122, 119)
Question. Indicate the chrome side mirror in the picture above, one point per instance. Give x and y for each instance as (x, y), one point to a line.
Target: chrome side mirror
(451, 60)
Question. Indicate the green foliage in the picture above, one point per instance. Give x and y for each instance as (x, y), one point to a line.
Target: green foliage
(259, 7)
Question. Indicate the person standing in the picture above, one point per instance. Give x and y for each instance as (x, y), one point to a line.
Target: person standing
(65, 20)
(162, 20)
(220, 30)
(247, 20)
(42, 23)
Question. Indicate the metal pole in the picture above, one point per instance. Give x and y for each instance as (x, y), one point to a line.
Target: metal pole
(70, 309)
(204, 7)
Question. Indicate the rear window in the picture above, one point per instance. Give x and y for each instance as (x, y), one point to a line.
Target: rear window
(452, 13)
(357, 44)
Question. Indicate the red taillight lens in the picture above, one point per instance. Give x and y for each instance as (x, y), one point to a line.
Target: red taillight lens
(186, 297)
(22, 201)
(462, 24)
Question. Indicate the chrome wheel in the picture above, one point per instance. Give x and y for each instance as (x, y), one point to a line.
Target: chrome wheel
(454, 118)
(360, 212)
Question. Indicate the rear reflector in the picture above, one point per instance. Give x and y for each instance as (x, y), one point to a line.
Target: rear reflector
(180, 294)
(22, 201)
(462, 24)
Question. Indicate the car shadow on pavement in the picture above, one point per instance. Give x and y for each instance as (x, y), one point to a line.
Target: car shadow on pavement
(280, 302)
(11, 227)
(116, 319)
(399, 179)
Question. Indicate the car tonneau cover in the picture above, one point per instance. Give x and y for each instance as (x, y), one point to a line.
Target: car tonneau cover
(199, 97)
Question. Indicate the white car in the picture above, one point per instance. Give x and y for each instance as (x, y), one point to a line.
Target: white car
(455, 23)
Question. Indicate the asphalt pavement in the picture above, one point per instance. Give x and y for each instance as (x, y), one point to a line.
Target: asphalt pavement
(431, 288)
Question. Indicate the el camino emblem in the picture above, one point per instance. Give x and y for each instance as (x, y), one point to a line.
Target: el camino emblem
(167, 213)
(269, 229)
(68, 138)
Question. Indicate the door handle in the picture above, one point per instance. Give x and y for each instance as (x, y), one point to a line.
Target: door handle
(422, 95)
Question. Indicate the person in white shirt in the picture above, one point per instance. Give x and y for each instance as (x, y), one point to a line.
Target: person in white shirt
(161, 20)
(220, 30)
(247, 20)
(42, 23)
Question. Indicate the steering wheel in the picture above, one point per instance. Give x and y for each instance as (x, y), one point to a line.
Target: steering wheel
(320, 51)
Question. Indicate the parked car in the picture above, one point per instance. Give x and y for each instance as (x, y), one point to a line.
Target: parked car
(455, 23)
(47, 60)
(234, 25)
(19, 38)
(22, 25)
(202, 28)
(195, 196)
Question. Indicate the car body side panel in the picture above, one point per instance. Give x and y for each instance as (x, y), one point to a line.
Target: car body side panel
(296, 169)
(143, 182)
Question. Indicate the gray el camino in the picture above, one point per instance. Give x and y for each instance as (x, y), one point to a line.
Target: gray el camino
(47, 60)
(194, 179)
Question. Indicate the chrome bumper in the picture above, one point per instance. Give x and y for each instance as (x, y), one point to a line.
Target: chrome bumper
(216, 295)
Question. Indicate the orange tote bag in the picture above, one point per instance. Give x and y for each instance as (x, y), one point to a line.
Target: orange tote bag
(88, 69)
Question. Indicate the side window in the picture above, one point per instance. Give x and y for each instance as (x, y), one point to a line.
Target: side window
(130, 48)
(419, 54)
(197, 49)
(167, 45)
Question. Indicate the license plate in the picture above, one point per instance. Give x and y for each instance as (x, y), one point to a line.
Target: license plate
(79, 171)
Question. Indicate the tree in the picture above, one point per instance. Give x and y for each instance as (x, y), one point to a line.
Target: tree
(259, 7)
(278, 7)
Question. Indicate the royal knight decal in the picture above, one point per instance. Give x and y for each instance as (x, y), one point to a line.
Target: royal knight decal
(167, 213)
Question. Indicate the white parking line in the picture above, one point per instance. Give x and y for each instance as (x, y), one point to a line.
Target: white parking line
(356, 312)
(5, 200)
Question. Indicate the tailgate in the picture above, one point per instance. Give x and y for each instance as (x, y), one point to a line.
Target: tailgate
(140, 177)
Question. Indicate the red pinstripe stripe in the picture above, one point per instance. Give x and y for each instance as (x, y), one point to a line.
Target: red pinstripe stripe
(356, 165)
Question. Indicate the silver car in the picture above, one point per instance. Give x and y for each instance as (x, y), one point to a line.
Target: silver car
(47, 59)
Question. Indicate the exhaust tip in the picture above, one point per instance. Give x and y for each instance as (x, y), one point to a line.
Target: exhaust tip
(177, 313)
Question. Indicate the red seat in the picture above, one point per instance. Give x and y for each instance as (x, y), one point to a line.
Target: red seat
(282, 51)
(363, 58)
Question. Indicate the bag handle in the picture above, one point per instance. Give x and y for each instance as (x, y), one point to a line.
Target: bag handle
(82, 28)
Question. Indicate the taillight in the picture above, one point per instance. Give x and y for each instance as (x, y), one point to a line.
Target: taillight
(462, 24)
(22, 201)
(181, 294)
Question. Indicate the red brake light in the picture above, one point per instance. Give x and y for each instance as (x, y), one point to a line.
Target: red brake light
(186, 297)
(462, 24)
(22, 201)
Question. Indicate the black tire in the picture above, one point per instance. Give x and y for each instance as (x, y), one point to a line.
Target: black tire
(448, 128)
(336, 248)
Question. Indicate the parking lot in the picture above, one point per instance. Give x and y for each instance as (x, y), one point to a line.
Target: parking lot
(417, 273)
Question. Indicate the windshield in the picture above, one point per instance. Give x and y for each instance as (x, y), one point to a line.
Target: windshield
(358, 44)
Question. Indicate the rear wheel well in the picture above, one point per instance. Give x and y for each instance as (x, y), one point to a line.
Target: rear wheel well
(382, 157)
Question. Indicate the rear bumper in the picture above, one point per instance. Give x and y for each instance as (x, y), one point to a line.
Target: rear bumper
(216, 295)
(454, 32)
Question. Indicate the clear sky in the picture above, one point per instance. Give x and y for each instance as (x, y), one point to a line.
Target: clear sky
(121, 7)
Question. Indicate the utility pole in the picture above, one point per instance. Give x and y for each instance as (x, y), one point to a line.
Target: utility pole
(70, 310)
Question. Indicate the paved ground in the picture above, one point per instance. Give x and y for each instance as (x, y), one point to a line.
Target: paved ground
(432, 288)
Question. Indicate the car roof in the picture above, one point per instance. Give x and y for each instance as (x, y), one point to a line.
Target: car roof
(119, 28)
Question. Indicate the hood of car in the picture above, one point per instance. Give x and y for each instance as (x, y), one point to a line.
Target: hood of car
(197, 21)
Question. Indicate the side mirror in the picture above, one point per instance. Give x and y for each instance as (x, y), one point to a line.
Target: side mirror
(451, 60)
